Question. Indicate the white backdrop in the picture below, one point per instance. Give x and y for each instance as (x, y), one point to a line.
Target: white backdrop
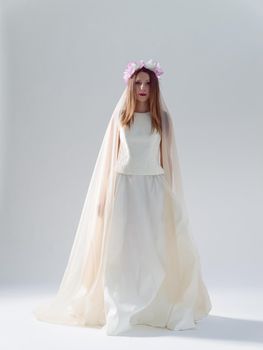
(61, 75)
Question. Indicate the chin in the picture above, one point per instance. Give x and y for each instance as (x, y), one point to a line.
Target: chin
(143, 99)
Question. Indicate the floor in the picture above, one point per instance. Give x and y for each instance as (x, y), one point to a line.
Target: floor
(235, 322)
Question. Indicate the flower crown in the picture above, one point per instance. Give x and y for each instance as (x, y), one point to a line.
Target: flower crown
(133, 66)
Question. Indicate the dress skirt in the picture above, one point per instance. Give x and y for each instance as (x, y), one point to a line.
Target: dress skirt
(152, 273)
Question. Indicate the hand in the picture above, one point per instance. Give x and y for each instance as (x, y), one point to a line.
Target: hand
(101, 207)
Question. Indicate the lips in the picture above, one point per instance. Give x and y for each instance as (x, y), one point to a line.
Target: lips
(142, 94)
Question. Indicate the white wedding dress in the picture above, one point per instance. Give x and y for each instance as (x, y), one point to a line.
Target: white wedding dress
(145, 281)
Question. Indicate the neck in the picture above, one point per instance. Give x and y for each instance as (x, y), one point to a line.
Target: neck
(142, 107)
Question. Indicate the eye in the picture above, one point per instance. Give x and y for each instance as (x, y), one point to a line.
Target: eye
(138, 82)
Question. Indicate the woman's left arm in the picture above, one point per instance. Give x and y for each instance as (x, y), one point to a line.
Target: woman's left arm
(161, 154)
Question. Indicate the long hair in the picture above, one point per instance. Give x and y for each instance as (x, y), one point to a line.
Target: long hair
(127, 113)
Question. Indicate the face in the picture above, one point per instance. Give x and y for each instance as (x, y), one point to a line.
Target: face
(142, 86)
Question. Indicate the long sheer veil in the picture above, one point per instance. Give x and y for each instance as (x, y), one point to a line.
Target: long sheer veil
(80, 298)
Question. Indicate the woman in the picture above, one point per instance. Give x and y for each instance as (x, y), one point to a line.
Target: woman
(133, 259)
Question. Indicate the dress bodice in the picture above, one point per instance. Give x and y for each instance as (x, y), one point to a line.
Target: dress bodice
(139, 152)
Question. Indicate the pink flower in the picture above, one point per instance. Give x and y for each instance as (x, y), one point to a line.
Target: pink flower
(133, 66)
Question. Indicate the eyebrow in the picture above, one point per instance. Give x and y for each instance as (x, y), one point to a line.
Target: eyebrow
(147, 81)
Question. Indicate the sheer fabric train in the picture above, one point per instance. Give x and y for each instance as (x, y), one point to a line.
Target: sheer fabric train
(80, 299)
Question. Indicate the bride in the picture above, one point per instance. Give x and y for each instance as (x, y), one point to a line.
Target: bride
(133, 259)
